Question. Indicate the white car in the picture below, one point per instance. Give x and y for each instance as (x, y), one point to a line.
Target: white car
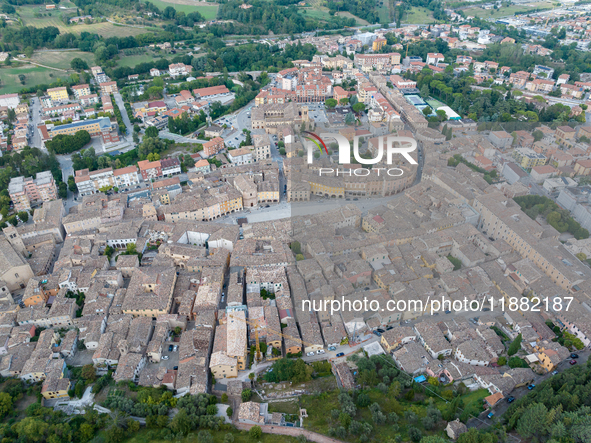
(165, 357)
(320, 351)
(310, 354)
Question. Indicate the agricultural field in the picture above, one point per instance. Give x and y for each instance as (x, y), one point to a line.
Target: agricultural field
(34, 75)
(104, 29)
(321, 13)
(418, 15)
(347, 14)
(209, 11)
(61, 59)
(505, 11)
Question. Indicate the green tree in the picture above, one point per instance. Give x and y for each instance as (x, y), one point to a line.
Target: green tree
(255, 432)
(358, 107)
(77, 64)
(5, 404)
(88, 373)
(296, 247)
(72, 184)
(533, 421)
(79, 388)
(151, 132)
(246, 395)
(515, 345)
(344, 101)
(24, 216)
(502, 361)
(454, 261)
(229, 412)
(331, 103)
(181, 423)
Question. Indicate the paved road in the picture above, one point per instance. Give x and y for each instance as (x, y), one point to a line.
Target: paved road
(294, 432)
(36, 119)
(121, 105)
(179, 138)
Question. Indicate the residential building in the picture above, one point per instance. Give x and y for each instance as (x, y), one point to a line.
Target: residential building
(108, 88)
(58, 94)
(213, 146)
(24, 191)
(81, 90)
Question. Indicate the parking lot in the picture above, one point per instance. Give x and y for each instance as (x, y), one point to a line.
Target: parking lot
(169, 358)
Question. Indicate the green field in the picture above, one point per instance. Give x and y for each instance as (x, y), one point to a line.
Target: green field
(61, 60)
(132, 60)
(359, 21)
(384, 12)
(105, 29)
(10, 82)
(418, 15)
(321, 13)
(207, 11)
(504, 11)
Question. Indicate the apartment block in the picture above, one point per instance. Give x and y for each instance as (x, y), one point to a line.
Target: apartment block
(23, 191)
(58, 94)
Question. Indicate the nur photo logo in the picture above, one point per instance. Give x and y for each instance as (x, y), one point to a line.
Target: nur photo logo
(390, 145)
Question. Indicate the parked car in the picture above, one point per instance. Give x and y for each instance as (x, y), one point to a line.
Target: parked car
(165, 357)
(176, 368)
(320, 351)
(341, 354)
(377, 333)
(573, 362)
(530, 387)
(170, 348)
(448, 312)
(510, 399)
(491, 414)
(310, 354)
(573, 355)
(554, 372)
(175, 348)
(380, 330)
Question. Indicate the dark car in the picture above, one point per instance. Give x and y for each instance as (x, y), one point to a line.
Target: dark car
(377, 333)
(380, 330)
(448, 312)
(511, 399)
(170, 348)
(341, 354)
(175, 368)
(573, 362)
(389, 327)
(573, 355)
(530, 387)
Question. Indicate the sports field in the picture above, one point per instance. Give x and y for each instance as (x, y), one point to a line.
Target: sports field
(104, 29)
(209, 11)
(62, 59)
(10, 81)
